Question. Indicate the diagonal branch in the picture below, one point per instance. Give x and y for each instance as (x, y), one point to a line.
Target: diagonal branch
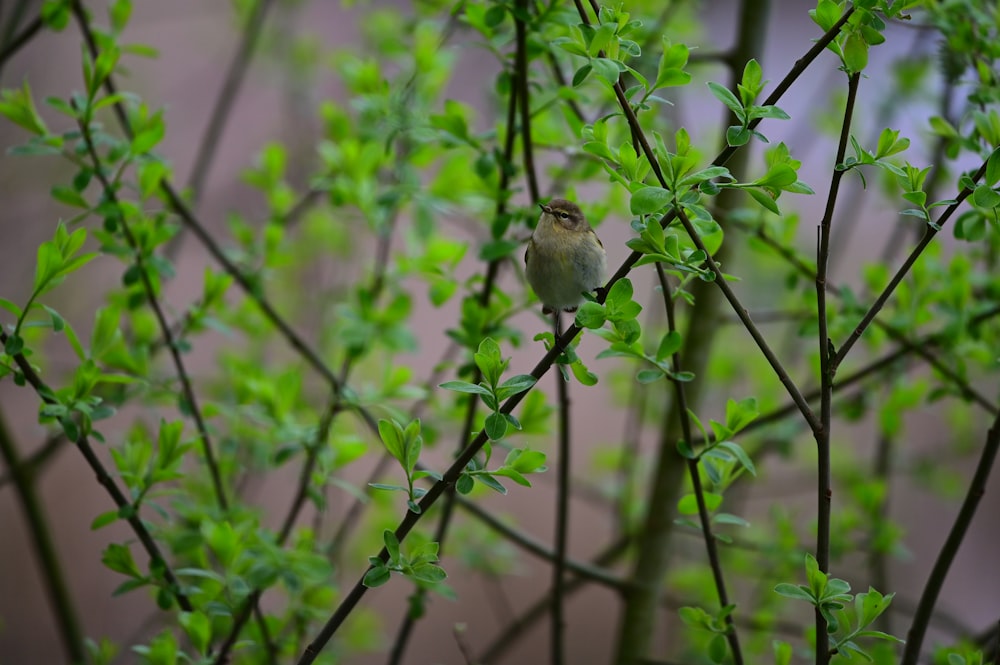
(235, 74)
(915, 636)
(929, 232)
(125, 507)
(154, 304)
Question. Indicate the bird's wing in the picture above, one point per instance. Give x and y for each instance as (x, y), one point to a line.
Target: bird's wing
(527, 250)
(594, 233)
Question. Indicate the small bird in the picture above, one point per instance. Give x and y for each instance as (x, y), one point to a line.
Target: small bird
(565, 258)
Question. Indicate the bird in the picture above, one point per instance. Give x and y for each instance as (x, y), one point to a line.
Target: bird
(564, 258)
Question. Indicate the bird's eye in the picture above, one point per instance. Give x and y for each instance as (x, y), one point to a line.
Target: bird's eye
(563, 214)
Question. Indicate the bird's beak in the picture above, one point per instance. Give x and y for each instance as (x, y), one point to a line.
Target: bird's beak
(545, 208)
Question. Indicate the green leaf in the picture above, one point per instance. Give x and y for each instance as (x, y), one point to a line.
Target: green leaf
(649, 375)
(740, 455)
(740, 414)
(672, 61)
(669, 345)
(465, 387)
(985, 197)
(764, 199)
(428, 572)
(782, 652)
(489, 361)
(717, 648)
(591, 315)
(198, 628)
(583, 374)
(18, 106)
(737, 135)
(491, 482)
(992, 175)
(119, 559)
(688, 504)
(496, 426)
(104, 519)
(69, 196)
(649, 200)
(12, 308)
(388, 487)
(726, 96)
(392, 436)
(515, 385)
(606, 69)
(55, 14)
(855, 53)
(794, 591)
(391, 544)
(581, 74)
(376, 577)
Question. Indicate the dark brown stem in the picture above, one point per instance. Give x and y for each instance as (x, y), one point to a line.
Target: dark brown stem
(824, 490)
(125, 507)
(235, 74)
(36, 461)
(161, 318)
(24, 480)
(929, 233)
(915, 636)
(704, 517)
(558, 627)
(521, 76)
(18, 42)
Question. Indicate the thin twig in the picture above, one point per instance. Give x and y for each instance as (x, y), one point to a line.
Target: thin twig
(705, 519)
(966, 389)
(235, 73)
(154, 304)
(523, 97)
(558, 627)
(125, 507)
(587, 571)
(929, 233)
(22, 474)
(36, 461)
(20, 40)
(485, 294)
(181, 209)
(977, 488)
(748, 323)
(824, 490)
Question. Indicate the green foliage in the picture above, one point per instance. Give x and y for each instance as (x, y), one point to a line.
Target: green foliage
(307, 320)
(419, 565)
(831, 596)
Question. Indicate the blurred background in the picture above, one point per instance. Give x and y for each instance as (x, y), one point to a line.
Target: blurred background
(196, 42)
